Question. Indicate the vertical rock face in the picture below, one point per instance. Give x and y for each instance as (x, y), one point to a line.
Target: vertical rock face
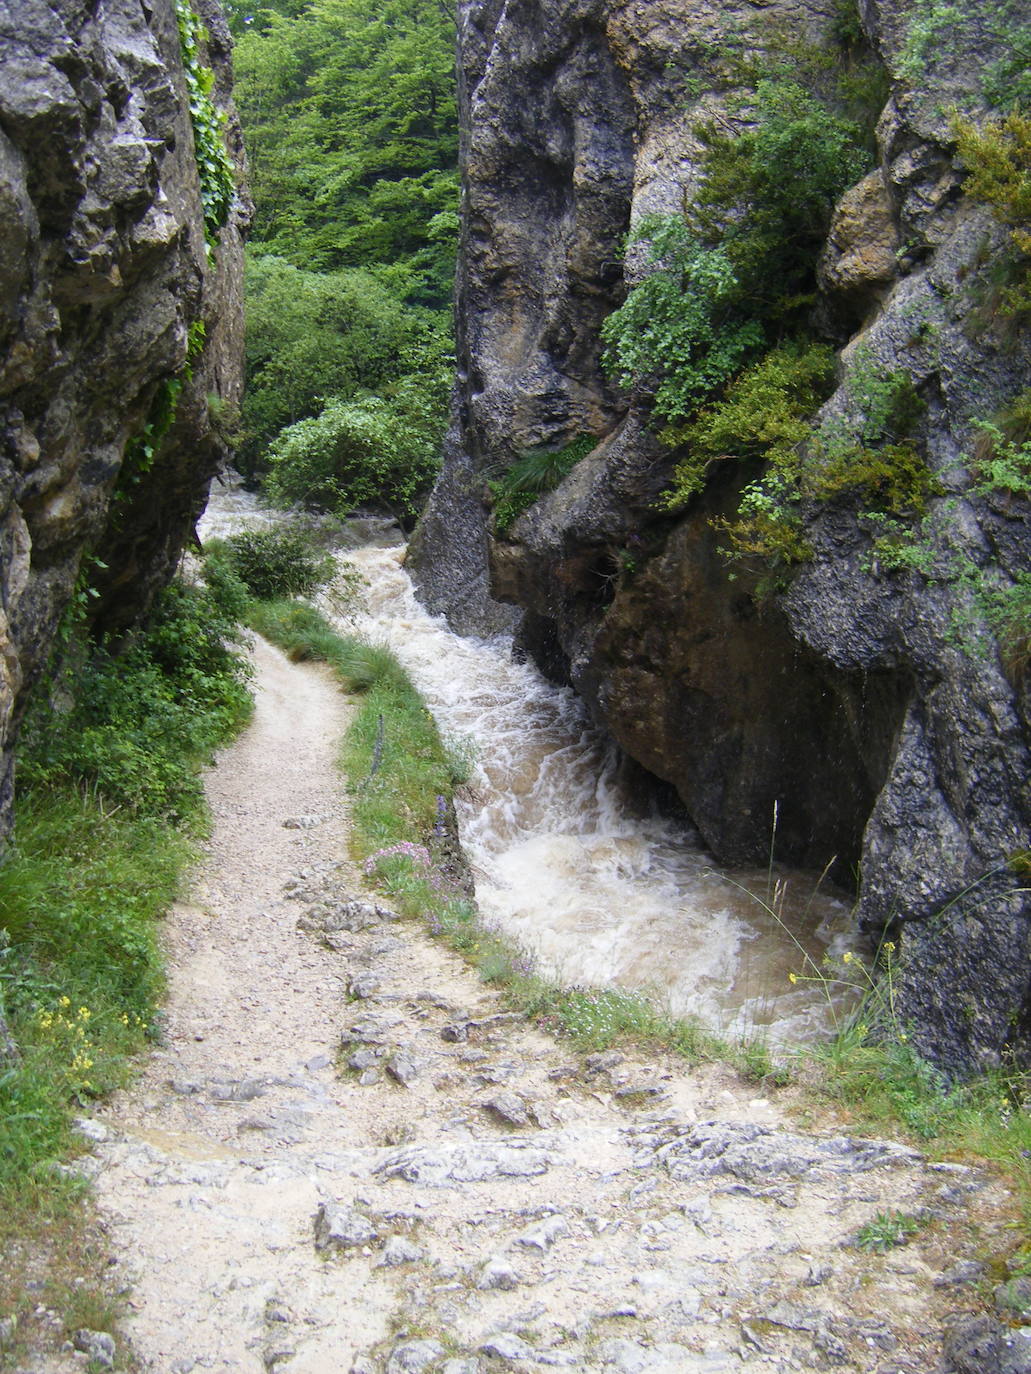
(849, 698)
(106, 285)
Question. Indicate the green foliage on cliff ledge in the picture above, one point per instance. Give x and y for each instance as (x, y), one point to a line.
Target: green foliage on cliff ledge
(763, 415)
(997, 156)
(742, 266)
(531, 476)
(769, 191)
(680, 333)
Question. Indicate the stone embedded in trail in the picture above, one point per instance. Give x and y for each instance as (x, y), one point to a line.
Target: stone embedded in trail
(1013, 1299)
(982, 1345)
(92, 1130)
(97, 1345)
(543, 1235)
(403, 1068)
(507, 1346)
(400, 1250)
(303, 822)
(352, 916)
(342, 1228)
(498, 1273)
(468, 1162)
(630, 1093)
(498, 1072)
(243, 1090)
(367, 1058)
(412, 1357)
(370, 1030)
(509, 1108)
(362, 985)
(757, 1154)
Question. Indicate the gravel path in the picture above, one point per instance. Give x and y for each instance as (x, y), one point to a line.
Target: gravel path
(346, 1157)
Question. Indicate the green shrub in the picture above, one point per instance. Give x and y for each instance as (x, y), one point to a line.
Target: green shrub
(764, 414)
(679, 334)
(893, 480)
(134, 726)
(997, 156)
(375, 452)
(769, 192)
(531, 476)
(275, 562)
(314, 336)
(745, 258)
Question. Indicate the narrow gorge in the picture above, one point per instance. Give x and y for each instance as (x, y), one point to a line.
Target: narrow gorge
(686, 685)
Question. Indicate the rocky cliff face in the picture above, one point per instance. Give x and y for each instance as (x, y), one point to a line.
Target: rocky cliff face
(115, 318)
(850, 696)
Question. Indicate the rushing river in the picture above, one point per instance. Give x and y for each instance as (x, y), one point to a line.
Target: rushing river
(596, 893)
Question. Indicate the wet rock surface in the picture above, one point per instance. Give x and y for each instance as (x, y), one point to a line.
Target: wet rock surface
(104, 273)
(847, 700)
(332, 1224)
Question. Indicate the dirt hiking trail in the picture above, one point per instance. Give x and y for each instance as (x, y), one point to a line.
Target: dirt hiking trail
(347, 1158)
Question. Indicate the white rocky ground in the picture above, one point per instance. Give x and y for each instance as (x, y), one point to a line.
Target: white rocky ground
(344, 1158)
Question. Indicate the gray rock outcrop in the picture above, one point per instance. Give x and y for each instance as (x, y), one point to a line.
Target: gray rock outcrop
(111, 301)
(848, 701)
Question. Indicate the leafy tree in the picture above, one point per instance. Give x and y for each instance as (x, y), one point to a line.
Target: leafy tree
(311, 336)
(351, 119)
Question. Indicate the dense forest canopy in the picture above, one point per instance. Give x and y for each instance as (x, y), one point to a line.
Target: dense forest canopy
(350, 119)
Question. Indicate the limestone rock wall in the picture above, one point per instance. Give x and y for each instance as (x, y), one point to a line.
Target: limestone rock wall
(845, 700)
(103, 272)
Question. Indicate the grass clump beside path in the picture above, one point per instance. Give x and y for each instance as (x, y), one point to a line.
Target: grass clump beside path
(108, 810)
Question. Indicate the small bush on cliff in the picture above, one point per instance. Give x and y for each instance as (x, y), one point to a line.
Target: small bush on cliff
(742, 265)
(769, 192)
(997, 155)
(680, 333)
(763, 415)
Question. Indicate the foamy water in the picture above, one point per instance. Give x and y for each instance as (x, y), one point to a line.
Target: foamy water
(563, 865)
